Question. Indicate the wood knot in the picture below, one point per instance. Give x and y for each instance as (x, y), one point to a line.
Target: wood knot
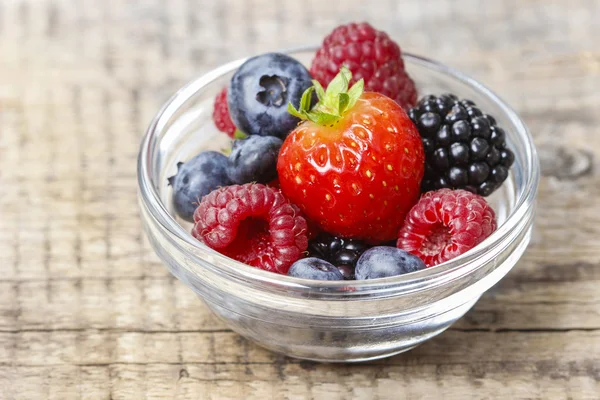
(565, 163)
(183, 373)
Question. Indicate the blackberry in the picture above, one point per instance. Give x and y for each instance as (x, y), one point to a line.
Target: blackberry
(343, 253)
(464, 147)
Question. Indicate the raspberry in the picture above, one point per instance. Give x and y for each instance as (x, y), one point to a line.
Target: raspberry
(274, 184)
(445, 224)
(371, 55)
(253, 224)
(221, 116)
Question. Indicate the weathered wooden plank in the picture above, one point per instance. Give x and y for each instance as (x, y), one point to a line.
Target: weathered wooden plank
(457, 347)
(562, 297)
(302, 381)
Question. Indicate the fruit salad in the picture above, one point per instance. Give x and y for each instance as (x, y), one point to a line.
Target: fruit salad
(341, 170)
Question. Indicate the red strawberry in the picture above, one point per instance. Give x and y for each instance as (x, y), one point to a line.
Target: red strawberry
(355, 165)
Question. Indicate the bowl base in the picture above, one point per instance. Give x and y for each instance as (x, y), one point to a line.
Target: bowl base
(335, 345)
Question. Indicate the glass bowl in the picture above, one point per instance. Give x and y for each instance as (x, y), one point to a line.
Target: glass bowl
(340, 321)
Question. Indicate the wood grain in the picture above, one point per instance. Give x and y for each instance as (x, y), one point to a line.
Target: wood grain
(88, 312)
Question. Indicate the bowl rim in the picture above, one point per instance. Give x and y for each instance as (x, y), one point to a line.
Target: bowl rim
(448, 271)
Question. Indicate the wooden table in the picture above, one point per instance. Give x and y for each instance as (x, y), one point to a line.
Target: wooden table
(88, 312)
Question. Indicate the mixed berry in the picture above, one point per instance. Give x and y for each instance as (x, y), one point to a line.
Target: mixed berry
(333, 176)
(353, 170)
(445, 224)
(341, 252)
(371, 56)
(253, 159)
(195, 179)
(221, 116)
(384, 261)
(315, 268)
(260, 91)
(465, 148)
(254, 224)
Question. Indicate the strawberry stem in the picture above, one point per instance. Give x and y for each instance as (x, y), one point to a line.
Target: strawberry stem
(333, 103)
(239, 134)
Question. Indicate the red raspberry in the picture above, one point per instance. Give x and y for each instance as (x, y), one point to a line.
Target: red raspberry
(445, 224)
(369, 54)
(253, 224)
(221, 114)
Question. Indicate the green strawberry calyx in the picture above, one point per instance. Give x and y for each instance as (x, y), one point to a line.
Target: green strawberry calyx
(333, 103)
(237, 135)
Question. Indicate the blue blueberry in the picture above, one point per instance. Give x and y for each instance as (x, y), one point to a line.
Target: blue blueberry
(260, 91)
(315, 268)
(195, 179)
(384, 261)
(254, 159)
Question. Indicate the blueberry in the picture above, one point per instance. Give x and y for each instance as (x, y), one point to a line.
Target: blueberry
(260, 91)
(384, 261)
(315, 268)
(254, 159)
(195, 179)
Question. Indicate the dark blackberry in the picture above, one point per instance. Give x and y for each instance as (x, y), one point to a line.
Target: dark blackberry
(464, 148)
(343, 253)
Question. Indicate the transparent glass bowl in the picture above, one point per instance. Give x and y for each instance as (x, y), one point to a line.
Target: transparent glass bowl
(330, 321)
